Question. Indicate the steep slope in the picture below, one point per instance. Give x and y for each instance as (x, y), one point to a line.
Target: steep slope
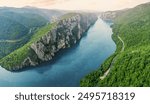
(17, 26)
(10, 29)
(14, 25)
(48, 40)
(132, 66)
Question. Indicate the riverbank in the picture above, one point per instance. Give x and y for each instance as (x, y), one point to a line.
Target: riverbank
(131, 68)
(102, 72)
(94, 77)
(70, 65)
(113, 60)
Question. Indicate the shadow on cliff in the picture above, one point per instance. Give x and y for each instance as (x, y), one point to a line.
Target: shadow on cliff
(56, 58)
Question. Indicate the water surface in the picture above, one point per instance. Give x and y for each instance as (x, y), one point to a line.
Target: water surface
(70, 65)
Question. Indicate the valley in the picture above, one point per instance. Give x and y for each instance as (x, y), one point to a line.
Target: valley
(75, 48)
(131, 67)
(66, 69)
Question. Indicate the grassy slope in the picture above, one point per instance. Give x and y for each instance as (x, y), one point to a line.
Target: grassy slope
(16, 57)
(132, 67)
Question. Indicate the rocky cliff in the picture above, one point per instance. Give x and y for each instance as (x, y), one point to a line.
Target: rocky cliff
(111, 15)
(66, 33)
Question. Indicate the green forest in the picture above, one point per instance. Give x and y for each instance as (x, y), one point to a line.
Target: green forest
(16, 57)
(17, 27)
(132, 66)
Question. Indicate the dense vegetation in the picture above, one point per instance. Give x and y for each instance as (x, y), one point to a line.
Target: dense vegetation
(10, 29)
(18, 56)
(17, 25)
(14, 56)
(132, 66)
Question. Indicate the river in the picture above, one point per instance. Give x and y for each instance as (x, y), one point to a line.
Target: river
(70, 65)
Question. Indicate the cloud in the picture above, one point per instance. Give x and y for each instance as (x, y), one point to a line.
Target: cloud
(100, 5)
(21, 3)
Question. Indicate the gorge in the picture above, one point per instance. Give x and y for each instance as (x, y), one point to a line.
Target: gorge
(70, 65)
(129, 65)
(49, 40)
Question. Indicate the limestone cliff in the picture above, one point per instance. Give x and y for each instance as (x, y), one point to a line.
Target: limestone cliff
(66, 33)
(111, 15)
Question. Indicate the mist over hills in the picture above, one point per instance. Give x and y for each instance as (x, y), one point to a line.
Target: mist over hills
(17, 25)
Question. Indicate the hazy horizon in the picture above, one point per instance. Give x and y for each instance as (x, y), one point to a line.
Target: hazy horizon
(92, 5)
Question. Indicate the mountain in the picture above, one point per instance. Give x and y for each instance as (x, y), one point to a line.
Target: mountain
(48, 40)
(130, 64)
(48, 14)
(17, 25)
(10, 29)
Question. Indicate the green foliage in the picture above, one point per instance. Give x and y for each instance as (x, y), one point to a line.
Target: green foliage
(10, 29)
(8, 46)
(16, 25)
(18, 56)
(131, 69)
(28, 20)
(91, 79)
(16, 28)
(105, 66)
(132, 66)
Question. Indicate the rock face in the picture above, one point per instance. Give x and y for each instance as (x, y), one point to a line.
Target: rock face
(67, 32)
(110, 15)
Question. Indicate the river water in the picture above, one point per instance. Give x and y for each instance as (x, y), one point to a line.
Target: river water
(70, 65)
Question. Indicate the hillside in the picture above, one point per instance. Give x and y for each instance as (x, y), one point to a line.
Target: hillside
(132, 65)
(48, 40)
(48, 14)
(10, 29)
(17, 25)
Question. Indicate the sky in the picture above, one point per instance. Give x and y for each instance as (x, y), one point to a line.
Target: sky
(98, 5)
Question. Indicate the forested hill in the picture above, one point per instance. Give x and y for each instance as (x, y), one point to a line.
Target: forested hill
(16, 22)
(131, 66)
(17, 25)
(48, 40)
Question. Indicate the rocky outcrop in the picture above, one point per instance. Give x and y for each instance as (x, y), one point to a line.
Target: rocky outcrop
(110, 15)
(67, 32)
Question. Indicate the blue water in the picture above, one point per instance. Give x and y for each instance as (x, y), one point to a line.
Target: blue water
(70, 65)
